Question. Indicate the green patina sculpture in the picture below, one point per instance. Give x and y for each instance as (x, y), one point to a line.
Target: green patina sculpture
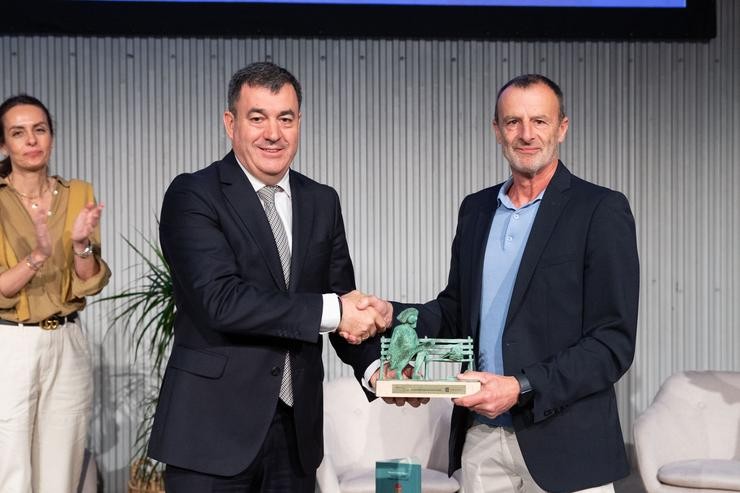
(455, 353)
(405, 346)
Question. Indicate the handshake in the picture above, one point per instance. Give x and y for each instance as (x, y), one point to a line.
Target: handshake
(363, 316)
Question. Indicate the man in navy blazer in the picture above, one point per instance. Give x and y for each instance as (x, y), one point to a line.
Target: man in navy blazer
(258, 255)
(544, 276)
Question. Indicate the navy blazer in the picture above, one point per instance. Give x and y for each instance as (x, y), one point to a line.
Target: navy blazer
(236, 318)
(570, 328)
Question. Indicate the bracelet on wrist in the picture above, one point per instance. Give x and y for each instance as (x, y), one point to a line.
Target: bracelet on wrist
(86, 252)
(34, 266)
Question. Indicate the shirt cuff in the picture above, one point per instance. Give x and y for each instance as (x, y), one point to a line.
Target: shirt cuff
(6, 303)
(330, 317)
(93, 285)
(369, 373)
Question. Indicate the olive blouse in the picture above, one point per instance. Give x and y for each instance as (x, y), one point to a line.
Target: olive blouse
(55, 289)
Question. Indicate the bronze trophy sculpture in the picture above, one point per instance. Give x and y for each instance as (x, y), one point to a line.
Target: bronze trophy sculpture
(405, 347)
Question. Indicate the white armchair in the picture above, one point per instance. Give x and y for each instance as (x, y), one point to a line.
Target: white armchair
(357, 433)
(688, 439)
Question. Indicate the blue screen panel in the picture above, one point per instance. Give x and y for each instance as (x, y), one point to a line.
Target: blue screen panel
(422, 19)
(480, 3)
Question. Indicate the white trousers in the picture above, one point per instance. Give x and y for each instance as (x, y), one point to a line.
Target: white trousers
(45, 403)
(492, 463)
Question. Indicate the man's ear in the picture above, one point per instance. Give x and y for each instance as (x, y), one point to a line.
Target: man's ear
(564, 123)
(229, 123)
(496, 130)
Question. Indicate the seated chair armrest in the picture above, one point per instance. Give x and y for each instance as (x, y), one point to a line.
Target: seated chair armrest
(457, 476)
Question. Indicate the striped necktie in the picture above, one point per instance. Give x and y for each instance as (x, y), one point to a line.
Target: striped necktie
(267, 194)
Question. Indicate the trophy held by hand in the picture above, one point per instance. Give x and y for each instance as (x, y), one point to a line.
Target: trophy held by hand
(405, 358)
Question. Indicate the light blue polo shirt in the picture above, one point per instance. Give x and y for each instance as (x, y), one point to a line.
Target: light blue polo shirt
(506, 242)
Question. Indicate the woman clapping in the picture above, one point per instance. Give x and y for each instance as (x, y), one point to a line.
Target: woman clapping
(49, 262)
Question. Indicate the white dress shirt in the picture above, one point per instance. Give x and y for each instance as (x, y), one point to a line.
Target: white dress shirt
(283, 205)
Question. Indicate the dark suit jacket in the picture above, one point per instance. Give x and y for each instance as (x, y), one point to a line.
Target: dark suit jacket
(570, 328)
(235, 318)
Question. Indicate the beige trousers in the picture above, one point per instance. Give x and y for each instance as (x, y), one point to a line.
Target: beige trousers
(45, 404)
(492, 463)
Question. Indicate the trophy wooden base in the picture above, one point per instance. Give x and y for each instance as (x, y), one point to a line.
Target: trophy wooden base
(426, 388)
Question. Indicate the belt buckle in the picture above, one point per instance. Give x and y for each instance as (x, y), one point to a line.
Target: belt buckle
(49, 324)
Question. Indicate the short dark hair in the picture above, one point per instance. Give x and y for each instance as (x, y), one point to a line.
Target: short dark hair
(261, 74)
(7, 105)
(527, 80)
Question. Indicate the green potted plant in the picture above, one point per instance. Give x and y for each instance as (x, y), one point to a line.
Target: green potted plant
(147, 311)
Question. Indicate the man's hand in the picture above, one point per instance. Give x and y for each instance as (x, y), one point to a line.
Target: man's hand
(383, 307)
(356, 324)
(398, 401)
(497, 394)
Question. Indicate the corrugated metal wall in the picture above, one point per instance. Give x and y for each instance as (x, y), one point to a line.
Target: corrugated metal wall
(402, 130)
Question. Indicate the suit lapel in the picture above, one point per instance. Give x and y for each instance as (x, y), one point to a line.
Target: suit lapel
(552, 205)
(242, 197)
(481, 230)
(302, 204)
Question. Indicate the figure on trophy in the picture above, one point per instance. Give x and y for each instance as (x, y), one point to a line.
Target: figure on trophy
(404, 348)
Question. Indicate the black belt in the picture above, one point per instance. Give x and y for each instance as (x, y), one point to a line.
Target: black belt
(51, 323)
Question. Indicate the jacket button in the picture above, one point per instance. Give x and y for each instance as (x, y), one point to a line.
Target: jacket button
(275, 371)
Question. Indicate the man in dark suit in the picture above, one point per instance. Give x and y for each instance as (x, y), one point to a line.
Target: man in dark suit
(257, 253)
(544, 276)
